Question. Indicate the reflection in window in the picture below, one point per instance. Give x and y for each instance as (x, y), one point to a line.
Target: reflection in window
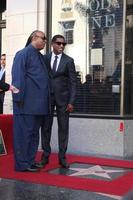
(68, 27)
(128, 106)
(95, 31)
(100, 93)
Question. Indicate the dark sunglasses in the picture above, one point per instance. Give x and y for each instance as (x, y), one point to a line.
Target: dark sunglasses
(59, 43)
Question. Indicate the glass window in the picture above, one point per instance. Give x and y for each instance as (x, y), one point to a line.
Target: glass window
(93, 30)
(128, 97)
(68, 27)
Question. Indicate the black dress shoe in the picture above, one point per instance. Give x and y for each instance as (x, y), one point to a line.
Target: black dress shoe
(63, 163)
(33, 168)
(43, 162)
(38, 165)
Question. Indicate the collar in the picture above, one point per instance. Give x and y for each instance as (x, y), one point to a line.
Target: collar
(59, 55)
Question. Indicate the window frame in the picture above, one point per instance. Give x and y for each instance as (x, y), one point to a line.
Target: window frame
(121, 115)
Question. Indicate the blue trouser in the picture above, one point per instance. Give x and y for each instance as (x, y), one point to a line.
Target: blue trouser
(26, 139)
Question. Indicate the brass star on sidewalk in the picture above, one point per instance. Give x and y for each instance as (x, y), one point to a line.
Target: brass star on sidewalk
(96, 170)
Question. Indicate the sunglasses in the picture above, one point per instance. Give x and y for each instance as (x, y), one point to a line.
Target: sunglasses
(61, 43)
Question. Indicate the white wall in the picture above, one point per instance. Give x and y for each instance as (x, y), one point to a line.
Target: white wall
(94, 136)
(23, 17)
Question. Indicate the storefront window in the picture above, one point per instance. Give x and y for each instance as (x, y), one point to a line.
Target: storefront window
(93, 31)
(128, 94)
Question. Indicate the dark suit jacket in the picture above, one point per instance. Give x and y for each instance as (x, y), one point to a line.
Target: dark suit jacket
(4, 86)
(63, 82)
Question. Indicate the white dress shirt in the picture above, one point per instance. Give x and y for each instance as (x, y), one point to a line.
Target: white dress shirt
(58, 60)
(2, 70)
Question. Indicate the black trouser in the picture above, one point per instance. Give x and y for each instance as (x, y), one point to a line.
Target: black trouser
(63, 131)
(1, 107)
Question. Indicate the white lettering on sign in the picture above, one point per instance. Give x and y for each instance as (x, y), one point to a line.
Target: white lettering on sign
(94, 9)
(95, 5)
(109, 21)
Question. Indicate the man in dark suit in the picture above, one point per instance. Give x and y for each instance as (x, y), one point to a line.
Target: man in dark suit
(2, 79)
(30, 102)
(4, 86)
(62, 75)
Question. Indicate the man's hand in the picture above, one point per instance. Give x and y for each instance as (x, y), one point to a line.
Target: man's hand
(14, 89)
(69, 108)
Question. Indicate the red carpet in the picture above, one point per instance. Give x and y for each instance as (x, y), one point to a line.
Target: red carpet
(6, 124)
(118, 186)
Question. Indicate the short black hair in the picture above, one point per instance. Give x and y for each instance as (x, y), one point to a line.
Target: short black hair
(3, 54)
(55, 37)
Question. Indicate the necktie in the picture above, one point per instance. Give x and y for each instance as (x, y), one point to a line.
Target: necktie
(55, 64)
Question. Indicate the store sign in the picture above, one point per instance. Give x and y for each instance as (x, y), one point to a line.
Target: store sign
(101, 12)
(95, 5)
(105, 20)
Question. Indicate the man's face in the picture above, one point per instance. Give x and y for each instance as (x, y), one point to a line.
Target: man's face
(40, 40)
(3, 61)
(58, 45)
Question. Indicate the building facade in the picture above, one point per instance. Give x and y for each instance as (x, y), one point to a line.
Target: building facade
(99, 38)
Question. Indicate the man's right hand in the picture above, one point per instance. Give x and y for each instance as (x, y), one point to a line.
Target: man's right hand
(14, 89)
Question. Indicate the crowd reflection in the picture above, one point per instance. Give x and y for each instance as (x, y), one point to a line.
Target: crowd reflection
(96, 96)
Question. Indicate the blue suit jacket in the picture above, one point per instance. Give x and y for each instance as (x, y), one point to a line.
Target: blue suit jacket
(29, 75)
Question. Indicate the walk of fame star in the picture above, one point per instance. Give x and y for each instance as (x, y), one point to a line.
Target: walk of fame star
(96, 170)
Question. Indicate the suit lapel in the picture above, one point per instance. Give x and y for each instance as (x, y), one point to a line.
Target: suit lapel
(49, 64)
(61, 64)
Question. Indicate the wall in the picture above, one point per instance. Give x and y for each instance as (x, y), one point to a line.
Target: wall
(98, 137)
(22, 18)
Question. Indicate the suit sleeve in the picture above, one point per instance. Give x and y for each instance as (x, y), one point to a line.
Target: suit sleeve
(18, 76)
(72, 81)
(4, 86)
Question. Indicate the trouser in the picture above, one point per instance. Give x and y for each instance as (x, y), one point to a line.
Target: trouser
(63, 131)
(1, 107)
(26, 139)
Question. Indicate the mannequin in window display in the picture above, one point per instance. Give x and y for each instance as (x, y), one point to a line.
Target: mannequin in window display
(86, 93)
(116, 83)
(116, 77)
(129, 40)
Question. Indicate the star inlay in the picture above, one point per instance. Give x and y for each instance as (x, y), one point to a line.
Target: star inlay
(96, 170)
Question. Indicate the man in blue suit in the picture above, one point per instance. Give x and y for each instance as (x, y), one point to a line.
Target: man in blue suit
(30, 102)
(62, 75)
